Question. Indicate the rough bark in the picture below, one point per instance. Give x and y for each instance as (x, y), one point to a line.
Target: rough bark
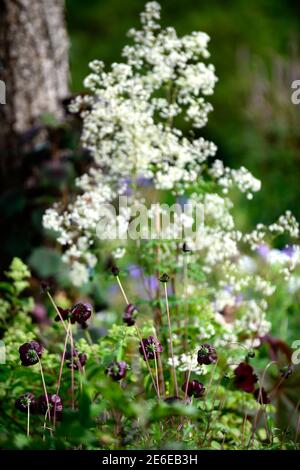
(33, 65)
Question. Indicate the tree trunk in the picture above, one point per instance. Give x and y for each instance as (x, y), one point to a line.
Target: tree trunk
(33, 66)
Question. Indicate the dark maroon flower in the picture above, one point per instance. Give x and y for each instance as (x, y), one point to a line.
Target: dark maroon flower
(149, 347)
(79, 360)
(54, 404)
(164, 277)
(245, 378)
(261, 396)
(130, 314)
(207, 354)
(117, 370)
(64, 312)
(22, 403)
(80, 313)
(193, 388)
(30, 353)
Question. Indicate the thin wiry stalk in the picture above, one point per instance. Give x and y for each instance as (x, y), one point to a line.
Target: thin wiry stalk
(28, 419)
(171, 342)
(259, 401)
(60, 372)
(156, 374)
(57, 311)
(139, 335)
(45, 390)
(72, 365)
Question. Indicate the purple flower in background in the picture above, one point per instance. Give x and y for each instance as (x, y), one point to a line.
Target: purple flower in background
(39, 314)
(117, 370)
(152, 282)
(289, 251)
(135, 271)
(263, 250)
(30, 353)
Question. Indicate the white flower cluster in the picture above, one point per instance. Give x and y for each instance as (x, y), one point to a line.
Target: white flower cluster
(241, 178)
(130, 127)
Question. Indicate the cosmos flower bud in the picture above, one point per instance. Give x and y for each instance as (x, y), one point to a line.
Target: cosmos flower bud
(117, 370)
(55, 403)
(251, 354)
(193, 388)
(149, 347)
(79, 360)
(80, 313)
(45, 286)
(130, 314)
(115, 270)
(245, 379)
(30, 353)
(207, 354)
(185, 248)
(24, 401)
(164, 277)
(261, 396)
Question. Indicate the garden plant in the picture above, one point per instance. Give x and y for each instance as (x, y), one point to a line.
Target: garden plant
(164, 341)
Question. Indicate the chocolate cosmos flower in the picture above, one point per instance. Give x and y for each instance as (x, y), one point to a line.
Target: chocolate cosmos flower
(80, 313)
(79, 360)
(245, 379)
(117, 370)
(207, 354)
(54, 403)
(193, 388)
(261, 396)
(151, 346)
(130, 314)
(22, 403)
(30, 353)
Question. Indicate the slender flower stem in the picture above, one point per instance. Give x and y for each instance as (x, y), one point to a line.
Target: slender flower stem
(45, 390)
(188, 378)
(156, 374)
(171, 342)
(146, 358)
(72, 365)
(140, 337)
(57, 311)
(60, 372)
(185, 281)
(28, 419)
(122, 290)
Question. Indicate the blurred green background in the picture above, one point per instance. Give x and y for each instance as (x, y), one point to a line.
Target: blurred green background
(255, 48)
